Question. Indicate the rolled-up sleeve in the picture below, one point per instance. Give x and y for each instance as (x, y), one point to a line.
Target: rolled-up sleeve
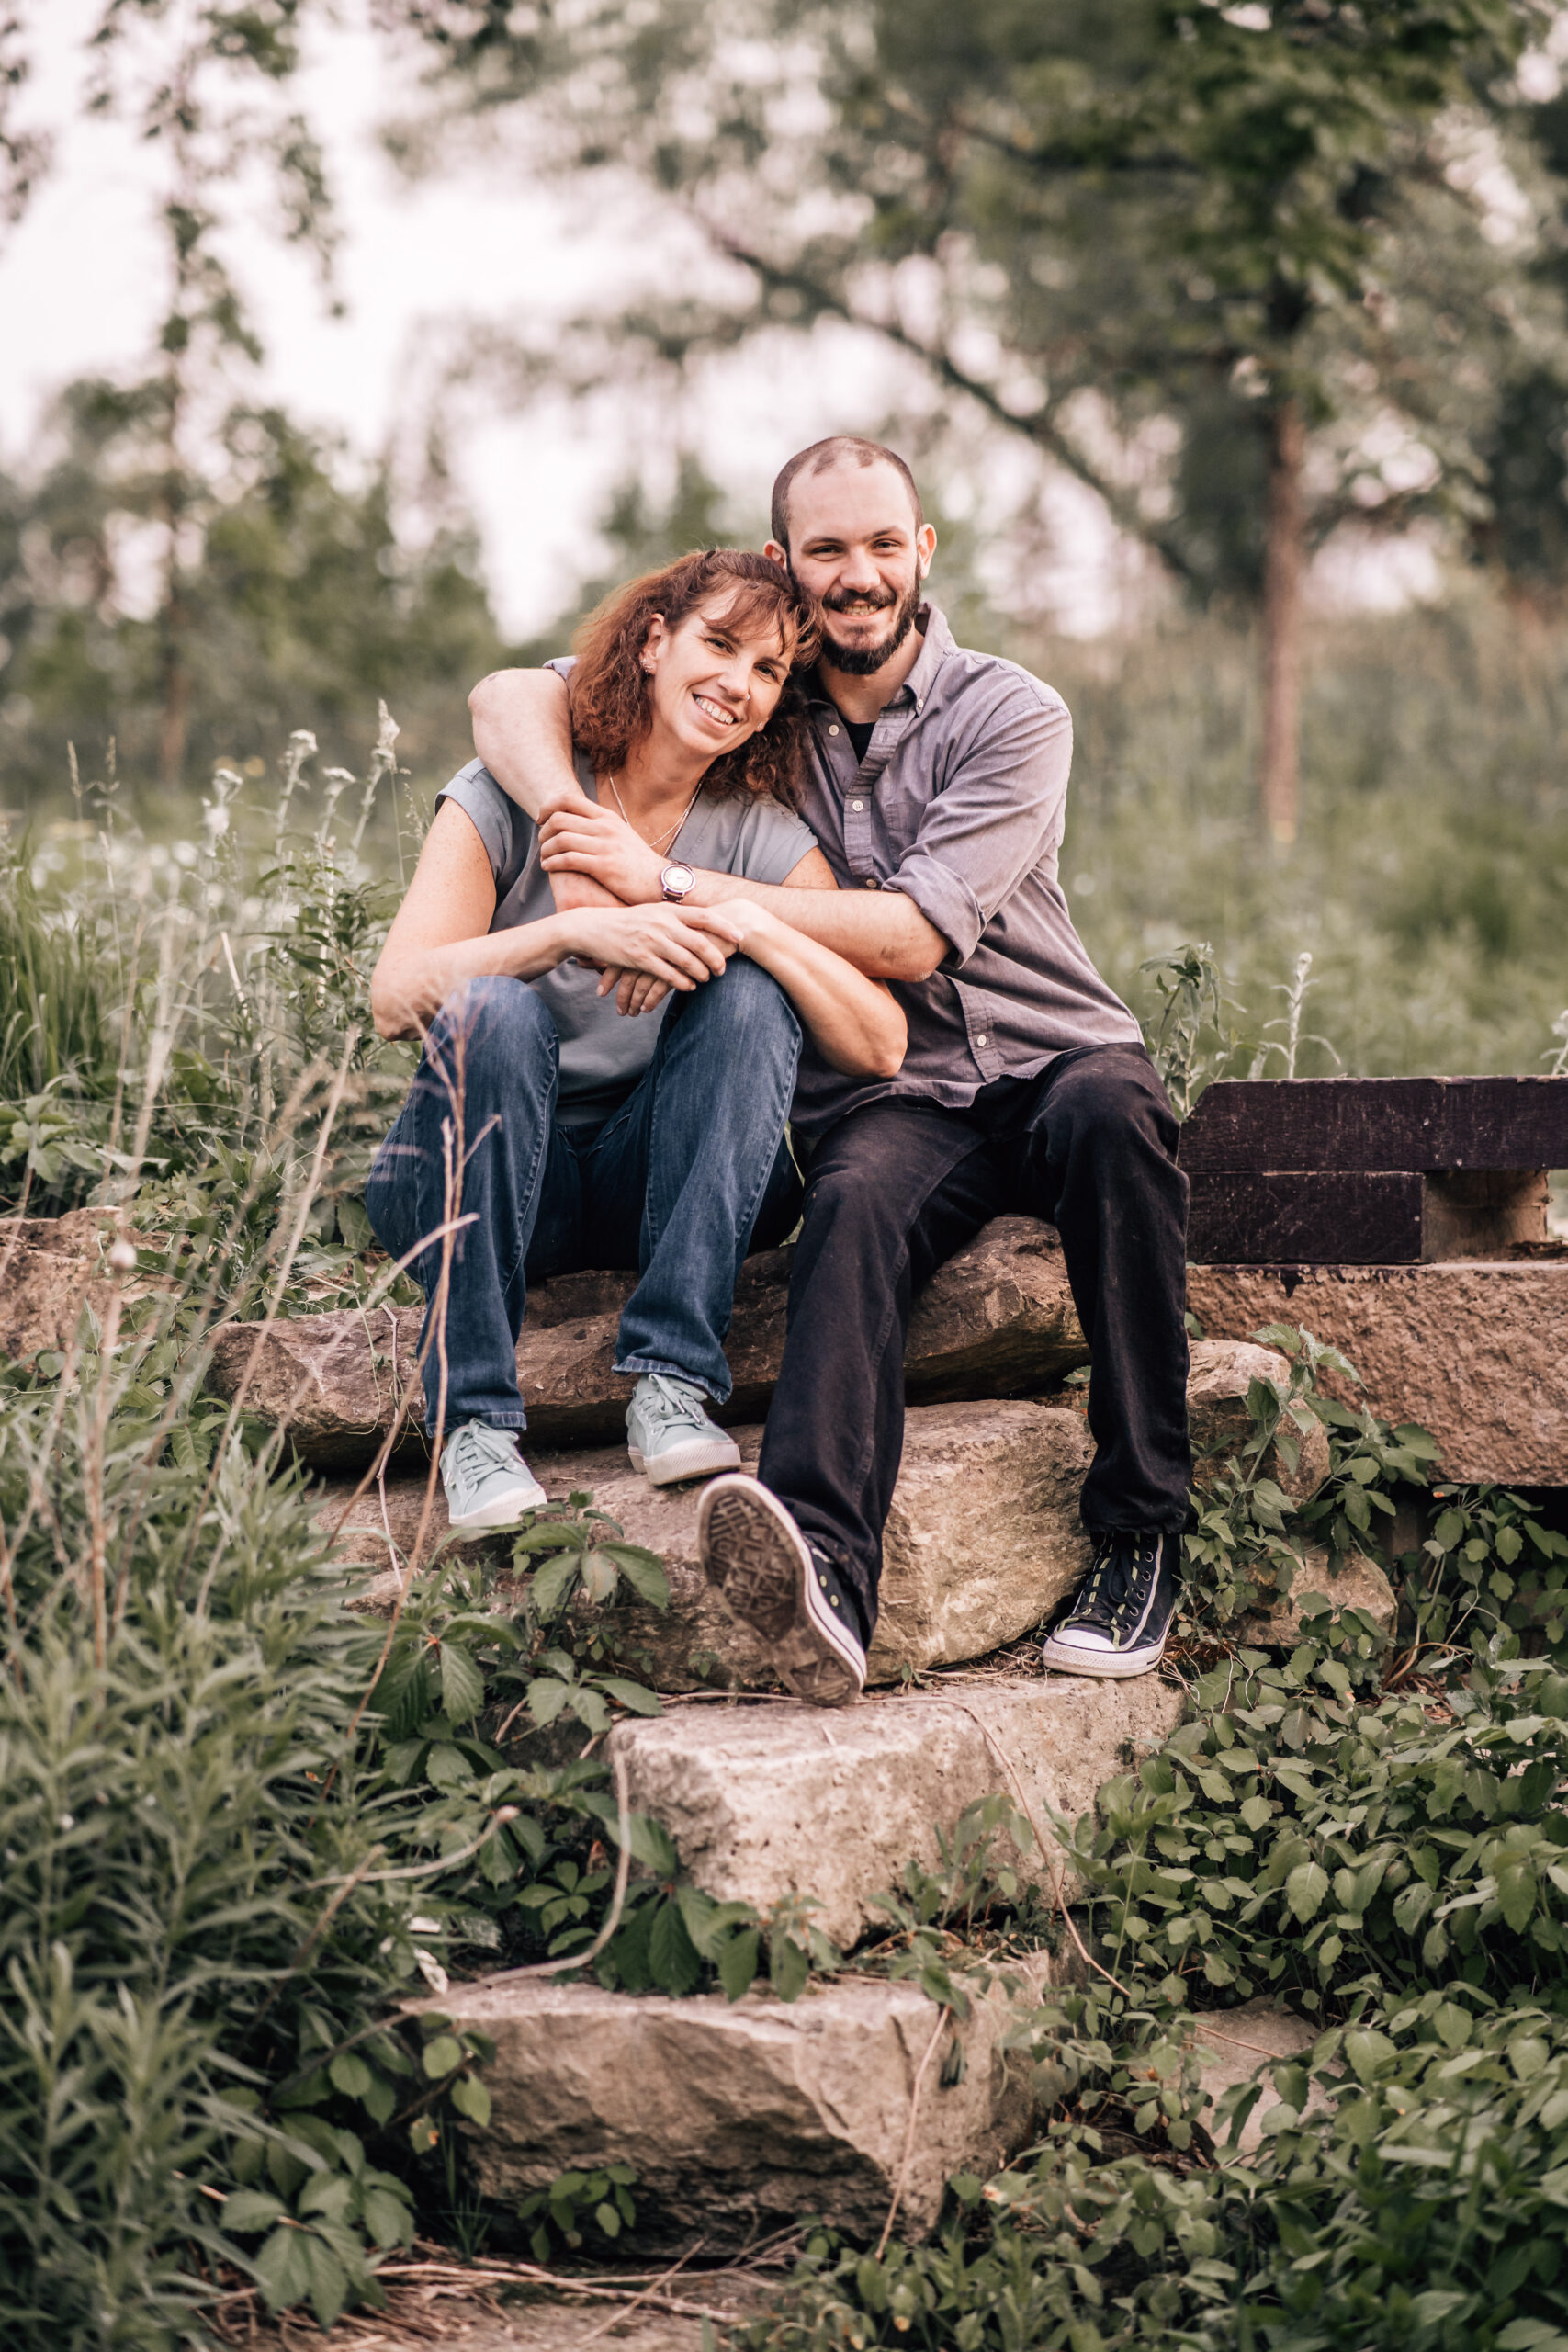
(997, 818)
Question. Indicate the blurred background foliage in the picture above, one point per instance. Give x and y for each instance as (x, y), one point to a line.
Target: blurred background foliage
(1268, 286)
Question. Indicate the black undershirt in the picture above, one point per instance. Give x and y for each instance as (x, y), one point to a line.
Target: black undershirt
(860, 736)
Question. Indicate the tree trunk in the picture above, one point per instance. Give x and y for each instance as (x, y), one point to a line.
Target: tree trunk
(1284, 559)
(174, 677)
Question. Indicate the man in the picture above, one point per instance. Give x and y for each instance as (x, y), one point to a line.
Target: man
(938, 794)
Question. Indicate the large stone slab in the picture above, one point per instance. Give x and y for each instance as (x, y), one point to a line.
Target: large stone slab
(774, 1798)
(998, 1320)
(982, 1541)
(1476, 1353)
(739, 2119)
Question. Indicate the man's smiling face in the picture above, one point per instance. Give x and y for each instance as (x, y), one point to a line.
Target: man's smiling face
(858, 560)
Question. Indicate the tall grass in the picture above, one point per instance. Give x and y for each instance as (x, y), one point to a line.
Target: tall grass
(1430, 880)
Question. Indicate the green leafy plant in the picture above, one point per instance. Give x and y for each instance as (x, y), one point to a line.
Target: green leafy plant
(1191, 1040)
(561, 2213)
(583, 1554)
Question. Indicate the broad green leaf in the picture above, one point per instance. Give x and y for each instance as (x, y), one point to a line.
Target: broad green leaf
(644, 1571)
(550, 1535)
(598, 1576)
(738, 1963)
(462, 1684)
(350, 2075)
(1516, 1894)
(671, 1955)
(634, 1695)
(282, 2271)
(1305, 1890)
(553, 1584)
(441, 2054)
(1368, 2051)
(589, 1707)
(328, 2281)
(789, 1967)
(388, 2216)
(1453, 2025)
(547, 1698)
(469, 2097)
(252, 2209)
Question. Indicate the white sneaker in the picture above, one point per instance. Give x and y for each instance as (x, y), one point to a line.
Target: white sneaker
(668, 1434)
(486, 1481)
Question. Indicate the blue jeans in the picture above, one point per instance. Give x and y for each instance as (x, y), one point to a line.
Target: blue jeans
(675, 1183)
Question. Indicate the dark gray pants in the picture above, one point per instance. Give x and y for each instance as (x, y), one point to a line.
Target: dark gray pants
(893, 1191)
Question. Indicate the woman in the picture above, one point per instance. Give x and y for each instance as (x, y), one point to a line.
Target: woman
(571, 1129)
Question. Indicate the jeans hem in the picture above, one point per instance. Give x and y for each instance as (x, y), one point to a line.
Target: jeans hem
(636, 1365)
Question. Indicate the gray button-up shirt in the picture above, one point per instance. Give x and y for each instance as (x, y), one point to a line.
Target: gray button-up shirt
(960, 803)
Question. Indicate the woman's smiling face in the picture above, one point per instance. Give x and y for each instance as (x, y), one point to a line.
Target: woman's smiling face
(711, 685)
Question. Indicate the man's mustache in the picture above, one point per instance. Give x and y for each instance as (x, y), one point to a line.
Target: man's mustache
(841, 600)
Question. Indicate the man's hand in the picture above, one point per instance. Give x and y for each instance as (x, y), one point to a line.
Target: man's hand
(575, 891)
(680, 946)
(583, 839)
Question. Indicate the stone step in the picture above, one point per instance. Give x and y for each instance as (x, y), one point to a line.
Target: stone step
(982, 1541)
(739, 2119)
(1474, 1352)
(772, 1799)
(998, 1320)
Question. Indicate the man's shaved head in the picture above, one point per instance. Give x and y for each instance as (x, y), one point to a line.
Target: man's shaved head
(839, 450)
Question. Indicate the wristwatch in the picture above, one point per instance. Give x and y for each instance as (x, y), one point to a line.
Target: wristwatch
(675, 880)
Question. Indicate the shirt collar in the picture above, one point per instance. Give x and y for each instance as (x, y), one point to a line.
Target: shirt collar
(937, 644)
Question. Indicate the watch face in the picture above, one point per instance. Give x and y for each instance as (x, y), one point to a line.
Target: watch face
(677, 879)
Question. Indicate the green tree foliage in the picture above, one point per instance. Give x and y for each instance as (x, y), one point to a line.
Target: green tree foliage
(1262, 221)
(304, 603)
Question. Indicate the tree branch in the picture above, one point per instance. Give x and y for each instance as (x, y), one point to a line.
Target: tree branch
(1039, 427)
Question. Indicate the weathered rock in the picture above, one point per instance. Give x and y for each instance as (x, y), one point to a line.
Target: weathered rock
(1360, 1583)
(983, 1540)
(737, 2119)
(51, 1267)
(1223, 1372)
(998, 1320)
(778, 1799)
(1476, 1353)
(1239, 2043)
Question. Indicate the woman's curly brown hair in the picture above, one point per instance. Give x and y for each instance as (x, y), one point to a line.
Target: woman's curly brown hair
(610, 690)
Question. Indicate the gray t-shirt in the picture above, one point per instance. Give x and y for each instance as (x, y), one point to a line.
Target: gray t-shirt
(603, 1052)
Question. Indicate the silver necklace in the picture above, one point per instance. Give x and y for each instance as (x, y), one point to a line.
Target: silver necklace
(669, 830)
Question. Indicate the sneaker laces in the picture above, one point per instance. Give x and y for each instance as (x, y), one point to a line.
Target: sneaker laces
(475, 1450)
(665, 1400)
(1119, 1577)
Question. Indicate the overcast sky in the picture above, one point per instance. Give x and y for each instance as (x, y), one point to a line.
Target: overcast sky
(82, 283)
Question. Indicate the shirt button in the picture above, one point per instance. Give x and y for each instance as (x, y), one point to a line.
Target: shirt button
(982, 1040)
(872, 883)
(857, 804)
(832, 730)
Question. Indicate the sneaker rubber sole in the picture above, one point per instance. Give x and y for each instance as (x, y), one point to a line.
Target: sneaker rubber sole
(506, 1509)
(760, 1565)
(699, 1457)
(1105, 1666)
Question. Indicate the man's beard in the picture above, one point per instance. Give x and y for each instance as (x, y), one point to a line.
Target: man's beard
(864, 661)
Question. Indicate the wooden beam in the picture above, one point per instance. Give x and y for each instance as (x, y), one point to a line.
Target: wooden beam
(1379, 1124)
(1240, 1217)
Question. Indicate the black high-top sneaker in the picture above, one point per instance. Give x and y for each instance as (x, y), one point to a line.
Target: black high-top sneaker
(777, 1584)
(1115, 1624)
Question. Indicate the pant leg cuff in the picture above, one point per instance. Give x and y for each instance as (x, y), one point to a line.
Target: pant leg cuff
(633, 1367)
